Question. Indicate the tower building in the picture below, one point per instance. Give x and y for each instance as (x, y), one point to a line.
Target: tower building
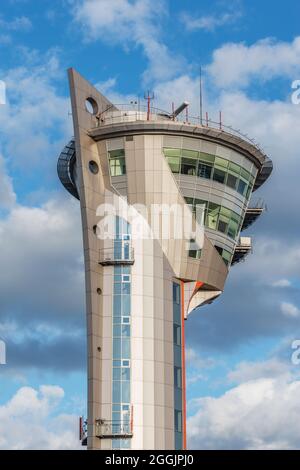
(163, 200)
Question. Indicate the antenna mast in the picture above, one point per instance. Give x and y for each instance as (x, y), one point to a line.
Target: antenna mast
(201, 100)
(149, 96)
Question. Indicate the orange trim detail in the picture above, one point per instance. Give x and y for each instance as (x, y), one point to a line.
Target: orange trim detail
(131, 419)
(183, 368)
(198, 285)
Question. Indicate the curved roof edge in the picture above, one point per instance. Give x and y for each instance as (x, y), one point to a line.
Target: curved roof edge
(65, 166)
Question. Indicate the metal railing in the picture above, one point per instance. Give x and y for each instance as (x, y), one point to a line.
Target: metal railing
(113, 429)
(117, 255)
(244, 244)
(137, 112)
(257, 204)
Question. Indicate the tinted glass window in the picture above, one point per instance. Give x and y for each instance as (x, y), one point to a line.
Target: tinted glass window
(219, 175)
(204, 171)
(188, 166)
(232, 181)
(242, 187)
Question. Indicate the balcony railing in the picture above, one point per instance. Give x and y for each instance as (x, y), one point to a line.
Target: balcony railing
(138, 112)
(113, 429)
(122, 254)
(242, 249)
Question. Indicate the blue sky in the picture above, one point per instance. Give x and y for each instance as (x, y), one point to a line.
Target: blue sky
(239, 347)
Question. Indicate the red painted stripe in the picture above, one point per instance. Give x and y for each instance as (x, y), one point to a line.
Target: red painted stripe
(183, 369)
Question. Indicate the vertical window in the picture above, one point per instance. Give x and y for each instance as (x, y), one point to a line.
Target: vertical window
(212, 216)
(219, 176)
(176, 293)
(204, 170)
(177, 335)
(177, 377)
(223, 224)
(226, 256)
(194, 251)
(232, 229)
(121, 340)
(188, 166)
(242, 187)
(178, 421)
(117, 162)
(232, 181)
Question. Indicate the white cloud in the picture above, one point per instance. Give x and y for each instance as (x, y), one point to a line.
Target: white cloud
(281, 283)
(209, 22)
(290, 310)
(246, 371)
(234, 65)
(45, 241)
(129, 23)
(258, 414)
(29, 420)
(7, 194)
(20, 23)
(34, 123)
(193, 359)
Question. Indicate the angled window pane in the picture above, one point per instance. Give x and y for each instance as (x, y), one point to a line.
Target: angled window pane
(204, 171)
(219, 176)
(232, 229)
(225, 212)
(223, 224)
(219, 249)
(206, 157)
(174, 163)
(242, 188)
(188, 166)
(190, 153)
(169, 152)
(221, 162)
(232, 181)
(245, 174)
(234, 168)
(116, 153)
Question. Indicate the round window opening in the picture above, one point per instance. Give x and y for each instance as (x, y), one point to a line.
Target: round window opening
(93, 166)
(91, 106)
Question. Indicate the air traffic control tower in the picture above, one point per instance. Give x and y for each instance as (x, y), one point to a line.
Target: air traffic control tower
(131, 167)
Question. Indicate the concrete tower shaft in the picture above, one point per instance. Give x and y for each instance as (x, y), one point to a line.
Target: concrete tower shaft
(140, 289)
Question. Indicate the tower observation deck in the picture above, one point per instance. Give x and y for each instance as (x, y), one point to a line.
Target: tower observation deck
(164, 200)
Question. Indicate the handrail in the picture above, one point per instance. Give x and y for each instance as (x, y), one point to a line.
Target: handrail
(140, 113)
(108, 429)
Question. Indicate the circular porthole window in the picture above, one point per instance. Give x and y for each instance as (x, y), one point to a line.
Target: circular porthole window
(99, 291)
(93, 167)
(91, 106)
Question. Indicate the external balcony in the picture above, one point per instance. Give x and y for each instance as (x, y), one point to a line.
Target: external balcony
(252, 214)
(113, 429)
(242, 249)
(121, 254)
